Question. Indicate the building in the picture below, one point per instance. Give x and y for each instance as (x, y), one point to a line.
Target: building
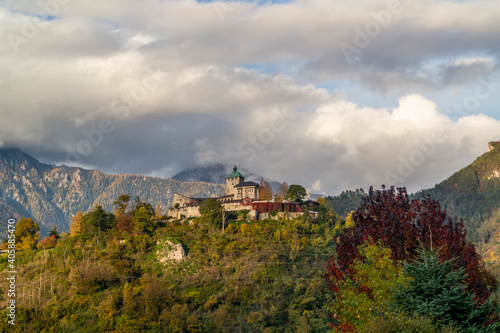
(237, 188)
(239, 195)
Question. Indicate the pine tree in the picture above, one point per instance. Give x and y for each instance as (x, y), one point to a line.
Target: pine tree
(54, 232)
(438, 291)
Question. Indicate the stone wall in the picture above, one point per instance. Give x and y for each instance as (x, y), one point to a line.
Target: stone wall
(287, 215)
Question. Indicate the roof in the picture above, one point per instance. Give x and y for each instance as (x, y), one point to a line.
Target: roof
(235, 173)
(245, 184)
(232, 201)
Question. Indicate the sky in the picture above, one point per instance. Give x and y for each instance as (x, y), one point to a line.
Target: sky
(329, 94)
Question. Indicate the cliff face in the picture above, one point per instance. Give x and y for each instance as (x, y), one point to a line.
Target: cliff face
(52, 194)
(492, 145)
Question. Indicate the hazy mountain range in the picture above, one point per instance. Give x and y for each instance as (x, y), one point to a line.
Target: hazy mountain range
(216, 173)
(51, 194)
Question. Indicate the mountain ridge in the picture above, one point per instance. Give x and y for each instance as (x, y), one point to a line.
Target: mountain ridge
(51, 194)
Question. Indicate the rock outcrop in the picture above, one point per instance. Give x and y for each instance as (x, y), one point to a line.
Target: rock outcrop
(170, 251)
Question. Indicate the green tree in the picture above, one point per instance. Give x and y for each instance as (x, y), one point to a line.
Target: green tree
(122, 203)
(438, 291)
(54, 232)
(211, 210)
(26, 234)
(97, 221)
(296, 193)
(368, 289)
(143, 217)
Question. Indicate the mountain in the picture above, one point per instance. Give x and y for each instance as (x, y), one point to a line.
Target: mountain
(52, 194)
(216, 174)
(473, 194)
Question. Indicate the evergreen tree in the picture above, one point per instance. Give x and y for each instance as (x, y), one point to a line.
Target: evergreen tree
(54, 232)
(97, 221)
(438, 291)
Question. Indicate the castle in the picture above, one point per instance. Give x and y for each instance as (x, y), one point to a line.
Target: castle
(239, 195)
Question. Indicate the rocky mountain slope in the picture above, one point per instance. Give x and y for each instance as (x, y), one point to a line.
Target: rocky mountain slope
(52, 194)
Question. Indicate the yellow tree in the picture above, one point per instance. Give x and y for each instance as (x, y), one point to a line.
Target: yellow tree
(76, 224)
(26, 234)
(369, 290)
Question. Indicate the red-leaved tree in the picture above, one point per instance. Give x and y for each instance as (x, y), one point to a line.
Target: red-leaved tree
(388, 215)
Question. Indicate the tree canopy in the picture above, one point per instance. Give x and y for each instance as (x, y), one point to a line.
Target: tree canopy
(211, 211)
(26, 234)
(403, 225)
(437, 290)
(296, 193)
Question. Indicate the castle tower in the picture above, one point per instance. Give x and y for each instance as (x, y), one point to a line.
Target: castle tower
(233, 179)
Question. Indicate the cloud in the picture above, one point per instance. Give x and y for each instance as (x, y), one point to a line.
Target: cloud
(153, 87)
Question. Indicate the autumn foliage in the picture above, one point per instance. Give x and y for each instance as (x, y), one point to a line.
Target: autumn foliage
(48, 242)
(402, 225)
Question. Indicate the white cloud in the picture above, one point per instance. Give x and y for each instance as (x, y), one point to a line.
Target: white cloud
(221, 82)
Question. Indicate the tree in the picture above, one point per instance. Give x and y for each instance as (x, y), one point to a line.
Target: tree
(142, 215)
(125, 223)
(326, 215)
(48, 242)
(54, 232)
(367, 292)
(402, 225)
(438, 291)
(76, 225)
(281, 192)
(122, 203)
(211, 210)
(265, 190)
(139, 203)
(296, 193)
(26, 234)
(158, 212)
(97, 221)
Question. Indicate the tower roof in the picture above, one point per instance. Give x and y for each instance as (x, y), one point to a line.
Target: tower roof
(235, 173)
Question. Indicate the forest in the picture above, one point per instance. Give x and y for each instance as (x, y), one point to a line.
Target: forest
(105, 274)
(394, 264)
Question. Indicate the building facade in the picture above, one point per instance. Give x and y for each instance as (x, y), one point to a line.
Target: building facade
(239, 195)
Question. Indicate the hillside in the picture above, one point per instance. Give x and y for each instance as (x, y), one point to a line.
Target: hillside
(52, 194)
(254, 277)
(473, 194)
